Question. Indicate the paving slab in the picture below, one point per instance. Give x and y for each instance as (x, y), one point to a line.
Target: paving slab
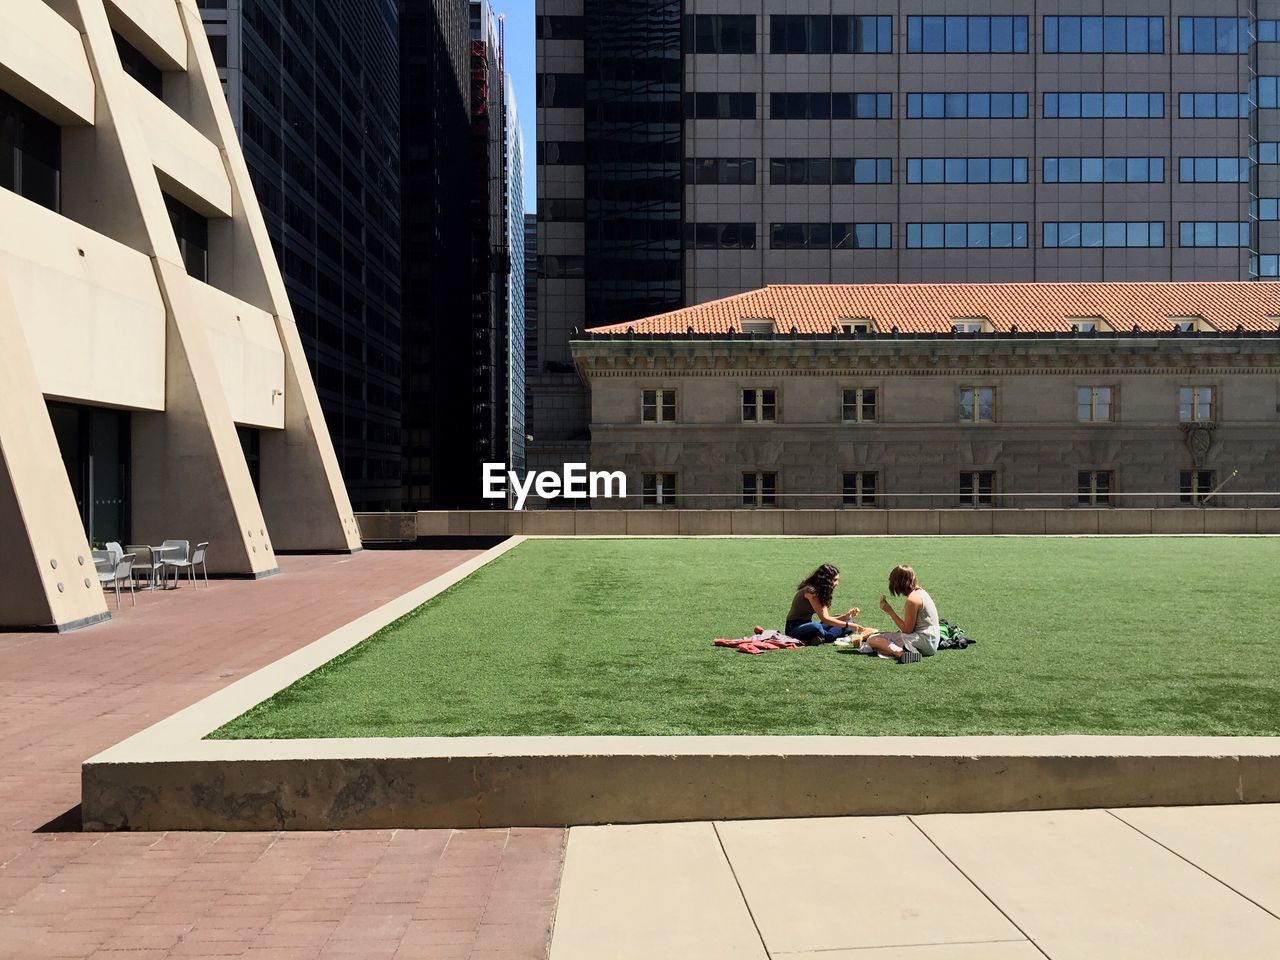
(1238, 845)
(651, 891)
(1083, 885)
(810, 885)
(993, 950)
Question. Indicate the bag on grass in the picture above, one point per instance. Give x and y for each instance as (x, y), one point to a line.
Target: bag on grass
(951, 637)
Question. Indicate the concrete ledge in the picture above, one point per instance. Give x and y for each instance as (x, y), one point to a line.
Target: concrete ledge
(556, 781)
(168, 777)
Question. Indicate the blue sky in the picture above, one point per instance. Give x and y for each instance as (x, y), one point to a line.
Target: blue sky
(523, 72)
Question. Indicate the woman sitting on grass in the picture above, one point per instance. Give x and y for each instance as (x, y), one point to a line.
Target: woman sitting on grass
(917, 634)
(813, 598)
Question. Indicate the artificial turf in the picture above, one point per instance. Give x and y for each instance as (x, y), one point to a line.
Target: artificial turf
(1090, 635)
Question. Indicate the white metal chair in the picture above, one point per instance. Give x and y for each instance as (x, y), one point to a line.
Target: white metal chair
(144, 562)
(120, 573)
(197, 560)
(115, 550)
(174, 553)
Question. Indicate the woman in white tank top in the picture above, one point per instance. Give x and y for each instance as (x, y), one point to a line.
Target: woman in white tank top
(917, 635)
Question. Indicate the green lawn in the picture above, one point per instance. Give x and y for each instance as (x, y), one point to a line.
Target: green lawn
(1133, 636)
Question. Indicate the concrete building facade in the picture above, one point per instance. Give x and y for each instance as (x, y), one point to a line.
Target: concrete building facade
(693, 150)
(144, 321)
(314, 92)
(938, 396)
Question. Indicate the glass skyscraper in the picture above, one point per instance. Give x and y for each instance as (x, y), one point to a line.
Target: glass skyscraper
(314, 90)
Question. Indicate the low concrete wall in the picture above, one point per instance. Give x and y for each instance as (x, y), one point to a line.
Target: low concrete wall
(557, 781)
(405, 527)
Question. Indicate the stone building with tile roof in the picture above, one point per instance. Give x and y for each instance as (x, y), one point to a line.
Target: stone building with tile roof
(945, 395)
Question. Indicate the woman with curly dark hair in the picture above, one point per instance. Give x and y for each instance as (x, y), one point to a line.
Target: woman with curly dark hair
(813, 598)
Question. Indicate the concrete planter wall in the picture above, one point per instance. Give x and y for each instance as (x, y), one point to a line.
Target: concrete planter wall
(406, 527)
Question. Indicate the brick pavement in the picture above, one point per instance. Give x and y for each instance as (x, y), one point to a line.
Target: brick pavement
(483, 894)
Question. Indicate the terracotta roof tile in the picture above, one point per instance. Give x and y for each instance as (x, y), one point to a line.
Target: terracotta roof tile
(932, 307)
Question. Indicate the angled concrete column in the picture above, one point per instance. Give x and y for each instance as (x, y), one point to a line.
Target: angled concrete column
(303, 495)
(47, 577)
(192, 482)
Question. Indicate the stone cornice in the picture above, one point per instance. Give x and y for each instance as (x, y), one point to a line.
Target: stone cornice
(1215, 356)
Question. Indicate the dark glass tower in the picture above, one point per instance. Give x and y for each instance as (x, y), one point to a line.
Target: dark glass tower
(632, 134)
(435, 64)
(314, 90)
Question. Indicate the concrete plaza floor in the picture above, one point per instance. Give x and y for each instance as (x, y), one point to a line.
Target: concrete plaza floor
(484, 894)
(1190, 883)
(1200, 883)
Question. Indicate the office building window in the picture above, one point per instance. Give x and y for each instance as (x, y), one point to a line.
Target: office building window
(561, 28)
(139, 67)
(1093, 404)
(966, 170)
(1094, 487)
(658, 406)
(1213, 233)
(1265, 91)
(658, 489)
(1109, 233)
(830, 236)
(956, 235)
(561, 267)
(1104, 169)
(760, 489)
(1266, 31)
(858, 488)
(1266, 152)
(966, 34)
(830, 170)
(30, 154)
(722, 170)
(720, 236)
(1071, 105)
(1104, 34)
(561, 90)
(192, 231)
(759, 406)
(1266, 208)
(719, 33)
(1210, 105)
(1195, 404)
(977, 404)
(1264, 265)
(1194, 486)
(859, 405)
(830, 34)
(959, 106)
(562, 152)
(977, 488)
(720, 106)
(830, 106)
(1213, 34)
(1213, 169)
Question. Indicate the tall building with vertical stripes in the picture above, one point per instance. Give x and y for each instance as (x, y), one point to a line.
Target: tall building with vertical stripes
(694, 150)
